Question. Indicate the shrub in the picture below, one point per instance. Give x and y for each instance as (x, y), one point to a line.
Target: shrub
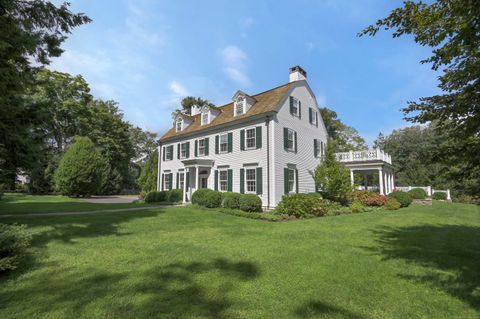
(357, 207)
(368, 198)
(439, 196)
(301, 206)
(148, 175)
(174, 195)
(198, 197)
(403, 198)
(418, 193)
(250, 203)
(156, 197)
(231, 200)
(213, 199)
(14, 240)
(142, 195)
(82, 169)
(467, 199)
(393, 204)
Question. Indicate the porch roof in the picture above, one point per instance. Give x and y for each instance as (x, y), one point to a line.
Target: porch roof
(197, 162)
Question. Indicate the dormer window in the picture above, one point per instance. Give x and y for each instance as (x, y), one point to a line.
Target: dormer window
(205, 117)
(239, 105)
(179, 125)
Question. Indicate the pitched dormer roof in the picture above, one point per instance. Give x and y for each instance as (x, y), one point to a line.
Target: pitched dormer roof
(265, 102)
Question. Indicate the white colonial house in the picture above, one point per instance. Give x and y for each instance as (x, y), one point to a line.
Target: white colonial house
(265, 144)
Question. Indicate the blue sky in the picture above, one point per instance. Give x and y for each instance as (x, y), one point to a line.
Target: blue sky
(147, 55)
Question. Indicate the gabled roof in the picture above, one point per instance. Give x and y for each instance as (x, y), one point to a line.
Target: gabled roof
(265, 102)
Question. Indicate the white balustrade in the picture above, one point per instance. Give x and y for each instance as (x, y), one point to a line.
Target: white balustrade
(366, 155)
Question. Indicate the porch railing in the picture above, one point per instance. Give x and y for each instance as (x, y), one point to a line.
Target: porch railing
(366, 155)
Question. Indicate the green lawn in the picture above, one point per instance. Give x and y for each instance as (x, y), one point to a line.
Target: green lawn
(30, 204)
(418, 262)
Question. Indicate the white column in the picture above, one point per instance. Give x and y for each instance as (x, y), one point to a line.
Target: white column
(196, 177)
(352, 179)
(185, 186)
(380, 181)
(390, 182)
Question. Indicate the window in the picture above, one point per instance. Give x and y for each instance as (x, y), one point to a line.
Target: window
(313, 117)
(167, 181)
(183, 150)
(239, 105)
(250, 138)
(295, 106)
(291, 140)
(291, 180)
(223, 143)
(179, 125)
(250, 178)
(223, 179)
(205, 118)
(169, 152)
(201, 147)
(181, 180)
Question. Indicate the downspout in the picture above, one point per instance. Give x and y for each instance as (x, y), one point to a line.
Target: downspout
(267, 124)
(159, 165)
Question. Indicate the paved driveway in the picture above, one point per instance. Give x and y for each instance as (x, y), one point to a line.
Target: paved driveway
(115, 199)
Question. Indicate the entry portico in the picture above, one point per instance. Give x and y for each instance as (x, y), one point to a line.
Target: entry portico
(370, 161)
(196, 175)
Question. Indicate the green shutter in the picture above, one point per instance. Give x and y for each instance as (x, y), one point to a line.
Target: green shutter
(242, 181)
(259, 181)
(310, 115)
(171, 182)
(321, 148)
(187, 181)
(216, 144)
(230, 180)
(315, 147)
(178, 180)
(188, 150)
(285, 179)
(291, 104)
(242, 140)
(230, 142)
(206, 146)
(163, 179)
(299, 109)
(178, 150)
(216, 180)
(258, 137)
(163, 154)
(171, 152)
(316, 119)
(196, 148)
(285, 138)
(295, 137)
(296, 180)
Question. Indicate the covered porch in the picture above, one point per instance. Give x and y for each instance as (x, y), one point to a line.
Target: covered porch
(375, 162)
(196, 174)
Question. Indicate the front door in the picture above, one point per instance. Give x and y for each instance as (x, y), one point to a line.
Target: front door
(203, 182)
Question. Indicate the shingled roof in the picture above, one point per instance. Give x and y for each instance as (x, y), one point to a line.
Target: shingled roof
(265, 102)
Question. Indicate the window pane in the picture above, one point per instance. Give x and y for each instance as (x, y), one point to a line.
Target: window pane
(250, 137)
(250, 180)
(291, 180)
(223, 143)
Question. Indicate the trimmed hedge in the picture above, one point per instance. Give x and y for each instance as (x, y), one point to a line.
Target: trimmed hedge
(207, 198)
(171, 196)
(250, 203)
(418, 193)
(231, 200)
(403, 198)
(174, 195)
(368, 198)
(301, 205)
(393, 204)
(439, 196)
(198, 197)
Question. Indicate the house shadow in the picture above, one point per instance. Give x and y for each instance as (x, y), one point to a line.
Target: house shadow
(450, 253)
(177, 290)
(316, 309)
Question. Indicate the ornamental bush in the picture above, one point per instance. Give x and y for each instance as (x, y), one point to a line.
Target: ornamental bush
(14, 240)
(301, 205)
(156, 197)
(231, 200)
(174, 195)
(357, 207)
(418, 193)
(393, 204)
(82, 169)
(250, 203)
(368, 198)
(403, 198)
(439, 196)
(198, 197)
(213, 199)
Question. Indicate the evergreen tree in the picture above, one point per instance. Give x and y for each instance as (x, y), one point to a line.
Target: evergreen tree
(148, 176)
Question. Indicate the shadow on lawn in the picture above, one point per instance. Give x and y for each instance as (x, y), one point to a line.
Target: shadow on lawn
(198, 289)
(313, 309)
(451, 254)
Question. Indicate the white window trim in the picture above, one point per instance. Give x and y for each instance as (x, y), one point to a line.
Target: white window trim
(247, 180)
(220, 142)
(181, 150)
(314, 117)
(199, 153)
(165, 186)
(295, 100)
(181, 177)
(292, 149)
(243, 105)
(254, 138)
(181, 125)
(220, 180)
(292, 181)
(168, 158)
(208, 117)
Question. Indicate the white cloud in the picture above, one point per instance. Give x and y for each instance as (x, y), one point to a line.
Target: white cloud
(177, 88)
(235, 60)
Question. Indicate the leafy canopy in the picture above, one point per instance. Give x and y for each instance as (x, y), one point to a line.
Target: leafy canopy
(345, 137)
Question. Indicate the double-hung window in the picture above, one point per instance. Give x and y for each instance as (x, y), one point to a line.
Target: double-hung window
(167, 181)
(295, 106)
(204, 118)
(181, 180)
(183, 150)
(179, 125)
(251, 180)
(223, 179)
(201, 147)
(291, 180)
(169, 153)
(239, 106)
(291, 140)
(223, 143)
(250, 138)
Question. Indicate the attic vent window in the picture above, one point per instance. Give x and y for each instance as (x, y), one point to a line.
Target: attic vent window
(205, 118)
(239, 105)
(179, 125)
